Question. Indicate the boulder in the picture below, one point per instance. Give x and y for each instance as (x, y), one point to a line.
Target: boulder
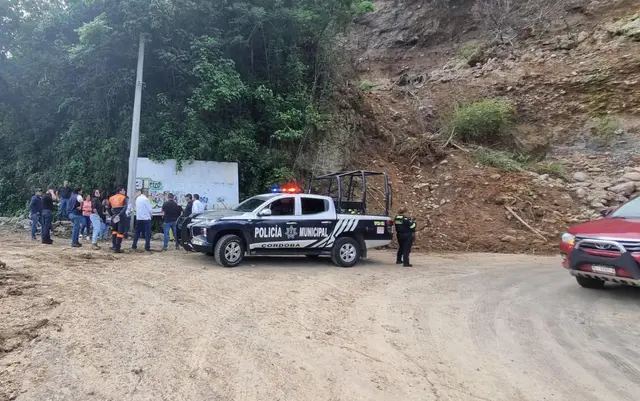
(582, 36)
(629, 28)
(626, 188)
(580, 176)
(601, 185)
(509, 238)
(631, 176)
(530, 140)
(158, 237)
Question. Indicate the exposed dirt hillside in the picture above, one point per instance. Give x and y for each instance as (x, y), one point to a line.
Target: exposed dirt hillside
(576, 89)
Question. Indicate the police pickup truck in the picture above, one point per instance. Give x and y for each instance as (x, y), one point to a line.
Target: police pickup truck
(285, 223)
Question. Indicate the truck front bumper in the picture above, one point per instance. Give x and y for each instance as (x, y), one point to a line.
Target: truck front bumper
(199, 243)
(580, 262)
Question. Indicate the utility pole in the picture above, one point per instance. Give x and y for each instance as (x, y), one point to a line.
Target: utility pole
(135, 126)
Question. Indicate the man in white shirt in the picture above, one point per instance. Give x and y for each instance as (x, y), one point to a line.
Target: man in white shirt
(144, 212)
(198, 207)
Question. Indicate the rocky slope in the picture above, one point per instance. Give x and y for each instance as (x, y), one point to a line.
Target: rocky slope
(576, 87)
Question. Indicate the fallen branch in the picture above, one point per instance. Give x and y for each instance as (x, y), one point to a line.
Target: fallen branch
(533, 230)
(453, 131)
(459, 147)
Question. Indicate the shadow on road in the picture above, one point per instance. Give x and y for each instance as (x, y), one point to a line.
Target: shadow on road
(621, 292)
(282, 262)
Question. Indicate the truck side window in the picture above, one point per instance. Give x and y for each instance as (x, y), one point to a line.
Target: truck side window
(314, 206)
(283, 207)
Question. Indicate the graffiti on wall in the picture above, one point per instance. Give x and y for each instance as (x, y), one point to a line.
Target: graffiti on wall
(158, 195)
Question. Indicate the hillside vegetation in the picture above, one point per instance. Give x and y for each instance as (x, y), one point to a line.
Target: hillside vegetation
(240, 81)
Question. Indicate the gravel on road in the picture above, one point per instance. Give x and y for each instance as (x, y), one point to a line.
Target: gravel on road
(88, 325)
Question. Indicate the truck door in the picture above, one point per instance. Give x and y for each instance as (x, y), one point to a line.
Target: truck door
(278, 230)
(317, 221)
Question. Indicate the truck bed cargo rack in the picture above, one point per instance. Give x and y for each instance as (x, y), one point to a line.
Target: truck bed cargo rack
(348, 205)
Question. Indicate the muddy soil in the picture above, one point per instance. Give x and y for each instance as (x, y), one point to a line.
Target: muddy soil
(89, 325)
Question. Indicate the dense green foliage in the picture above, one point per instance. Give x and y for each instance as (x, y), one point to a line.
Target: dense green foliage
(224, 80)
(484, 121)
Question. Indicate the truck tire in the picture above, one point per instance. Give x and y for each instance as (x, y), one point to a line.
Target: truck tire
(592, 283)
(229, 251)
(345, 252)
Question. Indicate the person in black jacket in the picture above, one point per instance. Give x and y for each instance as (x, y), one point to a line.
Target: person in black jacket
(47, 215)
(171, 212)
(75, 215)
(35, 212)
(405, 229)
(189, 208)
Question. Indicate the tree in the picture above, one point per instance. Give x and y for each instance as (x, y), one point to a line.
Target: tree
(224, 80)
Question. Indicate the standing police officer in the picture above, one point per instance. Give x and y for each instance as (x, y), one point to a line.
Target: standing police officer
(405, 228)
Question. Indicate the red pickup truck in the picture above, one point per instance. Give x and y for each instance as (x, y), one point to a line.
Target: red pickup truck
(605, 250)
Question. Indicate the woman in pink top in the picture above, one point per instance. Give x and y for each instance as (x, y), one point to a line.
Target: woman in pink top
(87, 208)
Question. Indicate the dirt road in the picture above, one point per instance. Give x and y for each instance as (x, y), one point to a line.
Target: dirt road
(83, 325)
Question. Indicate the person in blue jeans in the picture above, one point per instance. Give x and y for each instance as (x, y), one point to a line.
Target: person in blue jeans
(97, 218)
(144, 212)
(76, 217)
(35, 212)
(64, 193)
(171, 212)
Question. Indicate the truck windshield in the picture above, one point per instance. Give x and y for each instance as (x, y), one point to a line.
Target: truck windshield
(630, 210)
(250, 204)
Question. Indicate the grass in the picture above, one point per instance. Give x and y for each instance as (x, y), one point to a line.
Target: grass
(486, 121)
(516, 162)
(502, 160)
(554, 169)
(366, 86)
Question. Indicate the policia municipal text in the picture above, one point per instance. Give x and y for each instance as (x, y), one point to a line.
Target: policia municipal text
(406, 230)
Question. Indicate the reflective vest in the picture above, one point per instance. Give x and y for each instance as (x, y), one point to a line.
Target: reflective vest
(117, 201)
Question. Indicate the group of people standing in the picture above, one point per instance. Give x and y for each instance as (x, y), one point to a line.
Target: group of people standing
(99, 212)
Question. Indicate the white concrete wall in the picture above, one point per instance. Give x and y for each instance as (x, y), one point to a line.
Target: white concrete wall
(216, 183)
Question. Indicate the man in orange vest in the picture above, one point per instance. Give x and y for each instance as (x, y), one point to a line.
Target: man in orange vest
(118, 207)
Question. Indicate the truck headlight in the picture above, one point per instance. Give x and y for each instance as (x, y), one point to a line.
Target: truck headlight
(569, 239)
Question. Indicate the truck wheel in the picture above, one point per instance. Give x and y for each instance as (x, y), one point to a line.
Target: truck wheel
(592, 283)
(345, 252)
(229, 251)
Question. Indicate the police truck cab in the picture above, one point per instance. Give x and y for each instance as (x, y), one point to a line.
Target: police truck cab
(287, 222)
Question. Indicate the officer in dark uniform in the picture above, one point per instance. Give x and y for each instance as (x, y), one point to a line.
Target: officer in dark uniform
(406, 229)
(118, 211)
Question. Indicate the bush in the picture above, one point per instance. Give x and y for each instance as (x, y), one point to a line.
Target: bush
(554, 169)
(505, 161)
(485, 121)
(472, 53)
